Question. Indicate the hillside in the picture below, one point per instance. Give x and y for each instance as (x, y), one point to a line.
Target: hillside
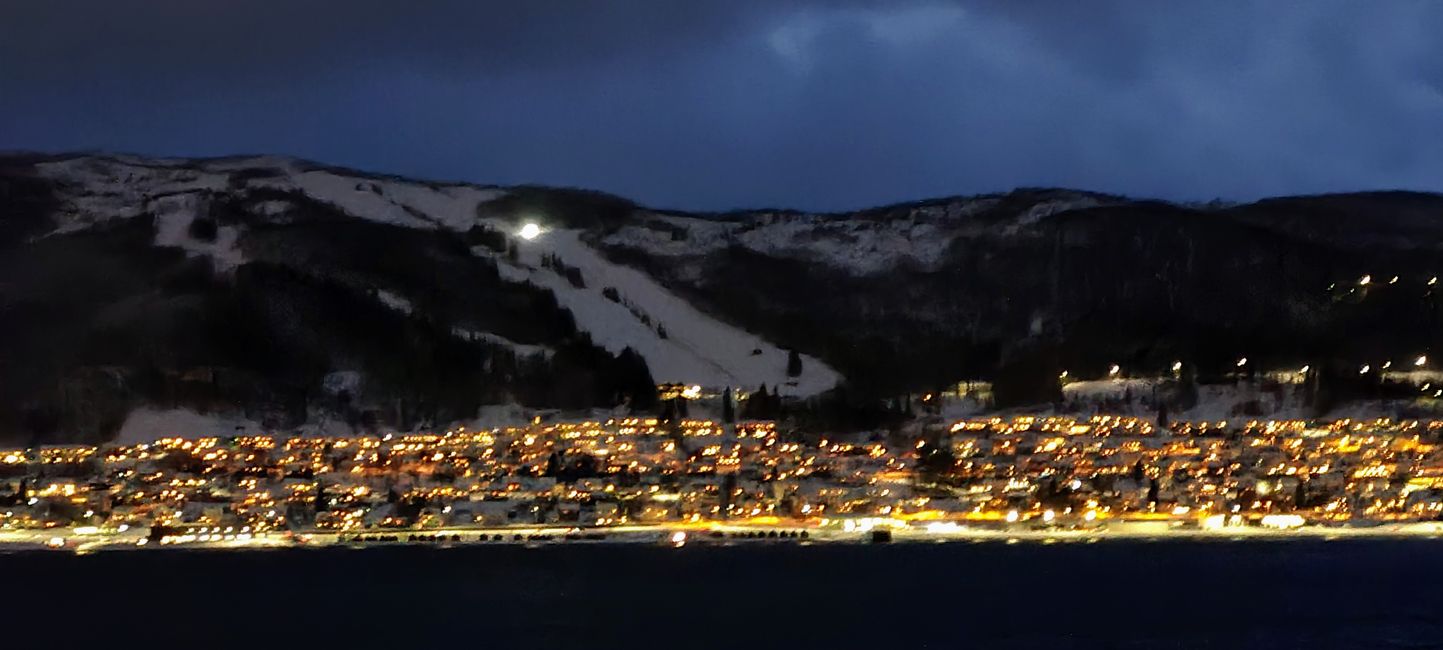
(282, 292)
(290, 291)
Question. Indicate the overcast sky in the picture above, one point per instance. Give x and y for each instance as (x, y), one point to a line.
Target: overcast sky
(748, 103)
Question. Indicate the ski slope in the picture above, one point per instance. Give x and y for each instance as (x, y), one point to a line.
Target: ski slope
(698, 349)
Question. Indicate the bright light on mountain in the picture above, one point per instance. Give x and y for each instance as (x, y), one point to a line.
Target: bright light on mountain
(530, 231)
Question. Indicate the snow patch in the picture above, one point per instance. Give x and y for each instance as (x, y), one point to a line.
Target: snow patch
(395, 202)
(698, 349)
(521, 349)
(498, 416)
(394, 301)
(354, 196)
(1047, 209)
(145, 425)
(98, 190)
(173, 218)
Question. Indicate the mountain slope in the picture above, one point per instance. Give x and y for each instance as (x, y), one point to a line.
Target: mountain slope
(255, 283)
(284, 291)
(1033, 282)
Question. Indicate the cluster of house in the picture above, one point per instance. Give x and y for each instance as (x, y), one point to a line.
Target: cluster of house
(1055, 471)
(1106, 466)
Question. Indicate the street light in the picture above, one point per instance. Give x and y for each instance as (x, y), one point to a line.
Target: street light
(530, 231)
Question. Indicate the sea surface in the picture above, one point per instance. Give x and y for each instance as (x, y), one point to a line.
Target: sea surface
(1109, 594)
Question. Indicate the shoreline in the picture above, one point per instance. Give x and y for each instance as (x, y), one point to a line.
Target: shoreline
(691, 534)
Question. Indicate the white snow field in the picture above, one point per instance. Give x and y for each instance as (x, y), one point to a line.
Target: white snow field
(698, 349)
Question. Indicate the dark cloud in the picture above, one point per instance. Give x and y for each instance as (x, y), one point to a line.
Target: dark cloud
(747, 102)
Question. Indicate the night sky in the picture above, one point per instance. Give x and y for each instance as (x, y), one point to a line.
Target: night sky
(749, 103)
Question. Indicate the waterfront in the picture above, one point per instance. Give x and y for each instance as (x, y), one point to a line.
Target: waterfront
(1043, 476)
(1130, 594)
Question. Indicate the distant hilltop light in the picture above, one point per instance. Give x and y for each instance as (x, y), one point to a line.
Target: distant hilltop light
(530, 231)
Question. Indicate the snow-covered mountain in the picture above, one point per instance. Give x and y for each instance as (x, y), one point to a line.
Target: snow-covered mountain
(287, 291)
(296, 274)
(175, 193)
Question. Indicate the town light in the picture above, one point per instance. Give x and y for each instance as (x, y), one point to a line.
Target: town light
(1422, 360)
(529, 231)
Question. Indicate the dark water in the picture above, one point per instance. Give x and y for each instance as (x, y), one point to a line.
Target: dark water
(1354, 594)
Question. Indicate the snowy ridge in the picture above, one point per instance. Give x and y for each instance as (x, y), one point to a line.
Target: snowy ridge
(698, 349)
(400, 203)
(99, 189)
(860, 246)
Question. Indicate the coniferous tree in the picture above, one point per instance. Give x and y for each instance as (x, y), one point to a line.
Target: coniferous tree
(794, 364)
(728, 410)
(637, 380)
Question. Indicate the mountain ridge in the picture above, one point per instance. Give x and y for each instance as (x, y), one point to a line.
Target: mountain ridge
(426, 293)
